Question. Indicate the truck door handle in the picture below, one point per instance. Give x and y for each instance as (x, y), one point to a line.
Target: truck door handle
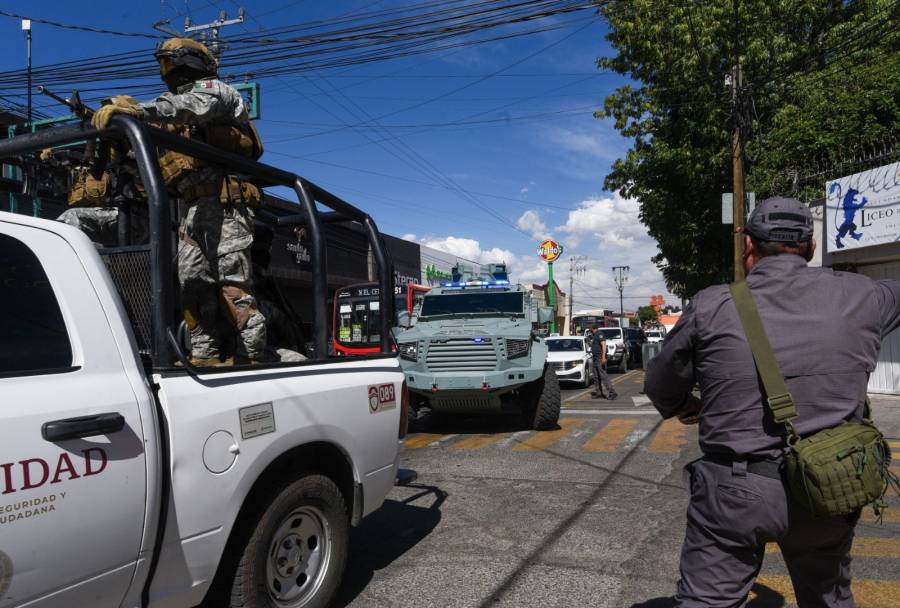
(82, 426)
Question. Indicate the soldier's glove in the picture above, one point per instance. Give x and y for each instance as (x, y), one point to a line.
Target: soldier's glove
(104, 114)
(124, 101)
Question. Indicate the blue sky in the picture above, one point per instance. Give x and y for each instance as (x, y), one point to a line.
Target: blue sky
(520, 138)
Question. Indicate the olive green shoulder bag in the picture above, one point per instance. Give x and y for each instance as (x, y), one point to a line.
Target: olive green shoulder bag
(834, 471)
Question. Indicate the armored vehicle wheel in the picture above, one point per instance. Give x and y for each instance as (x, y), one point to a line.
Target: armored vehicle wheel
(296, 554)
(542, 401)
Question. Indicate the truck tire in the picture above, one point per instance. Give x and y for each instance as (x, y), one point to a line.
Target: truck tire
(296, 554)
(542, 402)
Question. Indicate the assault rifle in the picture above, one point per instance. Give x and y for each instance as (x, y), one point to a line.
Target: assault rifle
(74, 102)
(99, 162)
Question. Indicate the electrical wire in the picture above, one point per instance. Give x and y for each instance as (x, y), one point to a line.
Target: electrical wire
(82, 28)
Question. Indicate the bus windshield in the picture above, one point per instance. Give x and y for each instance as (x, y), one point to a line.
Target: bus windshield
(475, 302)
(358, 321)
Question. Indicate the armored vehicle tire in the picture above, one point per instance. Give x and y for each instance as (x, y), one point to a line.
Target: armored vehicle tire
(542, 401)
(296, 554)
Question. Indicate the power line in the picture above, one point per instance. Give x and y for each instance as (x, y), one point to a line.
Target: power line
(82, 28)
(363, 42)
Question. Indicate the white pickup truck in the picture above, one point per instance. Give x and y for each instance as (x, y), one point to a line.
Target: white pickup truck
(128, 479)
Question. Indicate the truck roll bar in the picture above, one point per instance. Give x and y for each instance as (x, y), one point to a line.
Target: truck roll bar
(144, 141)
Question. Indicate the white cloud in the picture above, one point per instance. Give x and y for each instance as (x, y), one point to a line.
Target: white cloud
(611, 220)
(470, 249)
(595, 142)
(523, 190)
(531, 222)
(409, 236)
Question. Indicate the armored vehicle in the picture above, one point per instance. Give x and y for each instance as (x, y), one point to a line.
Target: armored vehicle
(471, 348)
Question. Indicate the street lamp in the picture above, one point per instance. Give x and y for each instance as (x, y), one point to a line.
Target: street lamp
(26, 27)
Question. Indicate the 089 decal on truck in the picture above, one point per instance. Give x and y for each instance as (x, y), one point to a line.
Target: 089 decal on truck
(382, 398)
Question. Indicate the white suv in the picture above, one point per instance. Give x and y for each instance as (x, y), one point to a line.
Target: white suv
(570, 358)
(655, 335)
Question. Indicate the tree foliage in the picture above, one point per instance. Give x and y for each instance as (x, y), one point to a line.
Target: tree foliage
(646, 313)
(821, 80)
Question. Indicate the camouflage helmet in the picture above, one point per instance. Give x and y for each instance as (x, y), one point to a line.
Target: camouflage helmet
(185, 56)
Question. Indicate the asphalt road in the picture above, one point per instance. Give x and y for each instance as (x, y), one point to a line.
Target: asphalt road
(591, 514)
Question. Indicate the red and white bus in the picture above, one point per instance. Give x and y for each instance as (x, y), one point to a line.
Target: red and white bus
(357, 315)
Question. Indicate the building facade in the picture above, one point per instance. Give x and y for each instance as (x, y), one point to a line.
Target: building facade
(858, 230)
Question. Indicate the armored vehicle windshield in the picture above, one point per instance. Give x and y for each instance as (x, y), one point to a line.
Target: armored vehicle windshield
(481, 302)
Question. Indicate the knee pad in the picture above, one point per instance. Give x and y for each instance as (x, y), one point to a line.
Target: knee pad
(241, 305)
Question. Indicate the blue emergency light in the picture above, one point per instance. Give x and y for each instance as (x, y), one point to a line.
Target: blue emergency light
(479, 284)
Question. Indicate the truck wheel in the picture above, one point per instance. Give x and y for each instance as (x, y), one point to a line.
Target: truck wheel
(297, 552)
(542, 402)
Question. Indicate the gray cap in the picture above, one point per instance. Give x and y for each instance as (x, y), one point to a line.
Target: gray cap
(785, 220)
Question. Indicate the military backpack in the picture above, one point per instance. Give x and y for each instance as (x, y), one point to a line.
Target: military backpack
(835, 471)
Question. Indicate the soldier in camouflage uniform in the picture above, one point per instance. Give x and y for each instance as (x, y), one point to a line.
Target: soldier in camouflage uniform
(216, 232)
(93, 201)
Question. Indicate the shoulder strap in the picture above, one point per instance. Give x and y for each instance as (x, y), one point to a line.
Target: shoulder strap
(778, 398)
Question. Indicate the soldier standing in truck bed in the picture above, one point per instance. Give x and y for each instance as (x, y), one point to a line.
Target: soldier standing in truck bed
(216, 232)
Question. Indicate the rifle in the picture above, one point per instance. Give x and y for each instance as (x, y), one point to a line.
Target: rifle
(74, 102)
(84, 112)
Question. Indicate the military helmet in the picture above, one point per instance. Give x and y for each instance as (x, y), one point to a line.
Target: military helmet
(186, 58)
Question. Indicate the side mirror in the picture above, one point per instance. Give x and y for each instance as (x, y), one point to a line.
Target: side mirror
(544, 314)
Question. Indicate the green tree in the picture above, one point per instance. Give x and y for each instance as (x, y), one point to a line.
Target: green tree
(821, 78)
(646, 313)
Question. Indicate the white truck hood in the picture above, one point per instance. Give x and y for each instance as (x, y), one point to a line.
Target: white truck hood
(565, 356)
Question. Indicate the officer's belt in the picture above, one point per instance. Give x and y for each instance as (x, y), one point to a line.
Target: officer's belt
(765, 467)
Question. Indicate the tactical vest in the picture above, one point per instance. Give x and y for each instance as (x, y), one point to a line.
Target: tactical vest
(87, 191)
(241, 140)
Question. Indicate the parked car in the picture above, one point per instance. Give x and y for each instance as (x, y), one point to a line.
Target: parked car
(655, 335)
(570, 358)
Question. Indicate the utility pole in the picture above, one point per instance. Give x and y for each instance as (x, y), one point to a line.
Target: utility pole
(26, 27)
(575, 267)
(737, 152)
(212, 29)
(621, 279)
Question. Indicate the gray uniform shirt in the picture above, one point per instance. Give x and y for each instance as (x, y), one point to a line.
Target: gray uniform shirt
(825, 328)
(203, 102)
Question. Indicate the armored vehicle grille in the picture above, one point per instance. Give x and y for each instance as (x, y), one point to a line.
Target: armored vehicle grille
(461, 355)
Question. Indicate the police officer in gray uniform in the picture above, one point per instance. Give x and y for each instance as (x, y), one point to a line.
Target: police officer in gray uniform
(825, 328)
